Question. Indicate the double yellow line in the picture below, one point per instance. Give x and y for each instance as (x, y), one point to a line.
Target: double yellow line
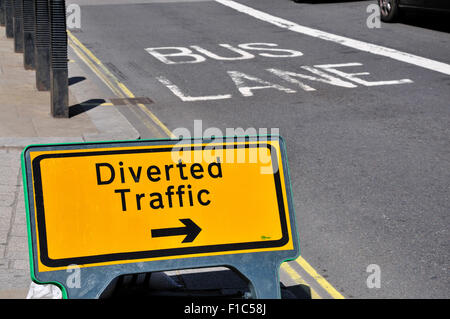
(315, 276)
(111, 81)
(119, 89)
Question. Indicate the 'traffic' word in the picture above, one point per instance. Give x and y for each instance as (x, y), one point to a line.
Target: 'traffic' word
(106, 174)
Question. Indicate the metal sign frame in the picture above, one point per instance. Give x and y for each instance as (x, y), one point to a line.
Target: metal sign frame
(261, 268)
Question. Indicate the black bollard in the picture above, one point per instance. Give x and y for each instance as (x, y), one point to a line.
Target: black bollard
(2, 12)
(59, 81)
(9, 18)
(28, 34)
(42, 45)
(18, 26)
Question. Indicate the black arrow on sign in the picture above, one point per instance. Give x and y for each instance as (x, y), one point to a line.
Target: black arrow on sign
(191, 230)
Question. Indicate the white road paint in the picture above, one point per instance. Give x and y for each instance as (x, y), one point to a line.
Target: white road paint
(244, 55)
(182, 55)
(185, 98)
(179, 52)
(348, 42)
(246, 83)
(332, 68)
(325, 78)
(271, 48)
(240, 80)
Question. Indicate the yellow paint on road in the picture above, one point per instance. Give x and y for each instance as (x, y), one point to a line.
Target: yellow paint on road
(111, 81)
(147, 111)
(298, 279)
(319, 279)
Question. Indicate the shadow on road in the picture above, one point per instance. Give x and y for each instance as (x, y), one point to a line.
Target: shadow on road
(77, 109)
(76, 79)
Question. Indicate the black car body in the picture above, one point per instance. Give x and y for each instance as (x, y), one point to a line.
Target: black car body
(390, 9)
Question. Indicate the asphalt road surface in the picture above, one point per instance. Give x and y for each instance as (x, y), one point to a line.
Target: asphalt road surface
(365, 113)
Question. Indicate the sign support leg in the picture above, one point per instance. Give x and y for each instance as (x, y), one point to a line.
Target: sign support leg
(263, 280)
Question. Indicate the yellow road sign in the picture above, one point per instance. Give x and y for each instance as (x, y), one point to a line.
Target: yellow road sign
(115, 204)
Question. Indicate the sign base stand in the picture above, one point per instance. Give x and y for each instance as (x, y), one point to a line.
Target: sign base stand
(89, 283)
(263, 280)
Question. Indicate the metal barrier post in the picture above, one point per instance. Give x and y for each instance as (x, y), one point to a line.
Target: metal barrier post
(42, 45)
(59, 82)
(9, 21)
(28, 34)
(18, 26)
(2, 12)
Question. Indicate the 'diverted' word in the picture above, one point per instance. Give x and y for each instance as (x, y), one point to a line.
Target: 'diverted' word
(173, 196)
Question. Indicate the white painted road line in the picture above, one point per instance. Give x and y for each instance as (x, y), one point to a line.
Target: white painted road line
(177, 92)
(355, 44)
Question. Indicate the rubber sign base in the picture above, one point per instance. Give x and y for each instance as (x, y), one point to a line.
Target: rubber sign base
(261, 272)
(96, 211)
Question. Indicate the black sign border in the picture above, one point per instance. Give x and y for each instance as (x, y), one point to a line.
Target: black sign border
(113, 257)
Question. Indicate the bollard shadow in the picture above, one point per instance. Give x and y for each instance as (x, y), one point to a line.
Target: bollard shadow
(76, 79)
(77, 109)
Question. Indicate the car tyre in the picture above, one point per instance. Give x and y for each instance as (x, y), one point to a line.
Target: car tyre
(389, 11)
